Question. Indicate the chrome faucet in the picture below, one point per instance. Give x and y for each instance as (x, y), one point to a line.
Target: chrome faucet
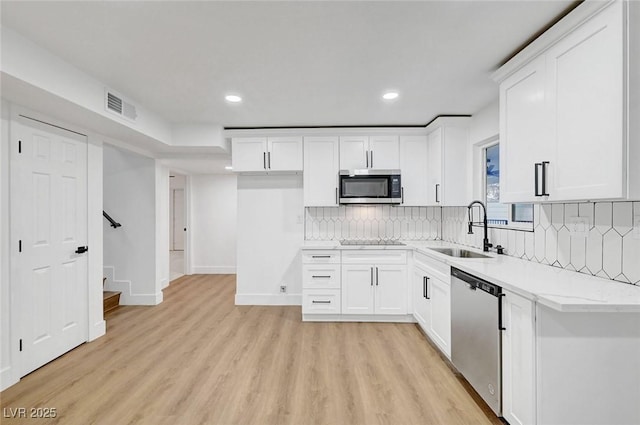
(485, 242)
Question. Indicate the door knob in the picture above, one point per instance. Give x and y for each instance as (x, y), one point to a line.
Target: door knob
(82, 249)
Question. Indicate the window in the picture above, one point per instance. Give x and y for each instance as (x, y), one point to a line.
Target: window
(509, 215)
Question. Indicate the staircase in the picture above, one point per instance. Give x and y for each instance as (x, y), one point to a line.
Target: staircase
(110, 299)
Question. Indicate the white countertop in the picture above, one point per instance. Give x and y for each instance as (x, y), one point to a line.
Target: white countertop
(556, 288)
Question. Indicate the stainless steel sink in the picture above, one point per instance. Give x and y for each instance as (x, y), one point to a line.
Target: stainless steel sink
(460, 253)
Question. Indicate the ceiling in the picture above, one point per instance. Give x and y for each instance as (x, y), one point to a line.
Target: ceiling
(298, 63)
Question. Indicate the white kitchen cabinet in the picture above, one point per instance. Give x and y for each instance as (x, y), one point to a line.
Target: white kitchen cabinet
(321, 167)
(421, 305)
(321, 282)
(447, 155)
(518, 360)
(359, 152)
(432, 305)
(415, 171)
(374, 282)
(255, 154)
(565, 104)
(524, 132)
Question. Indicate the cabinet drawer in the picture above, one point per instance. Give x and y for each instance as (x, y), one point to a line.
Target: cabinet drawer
(371, 256)
(440, 269)
(321, 276)
(321, 256)
(321, 301)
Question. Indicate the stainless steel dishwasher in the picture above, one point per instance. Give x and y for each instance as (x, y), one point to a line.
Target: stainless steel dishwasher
(476, 324)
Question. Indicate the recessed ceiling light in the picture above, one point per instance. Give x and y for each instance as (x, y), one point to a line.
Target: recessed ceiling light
(228, 167)
(390, 95)
(233, 98)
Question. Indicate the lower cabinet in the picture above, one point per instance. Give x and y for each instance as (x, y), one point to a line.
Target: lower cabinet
(518, 360)
(432, 300)
(374, 289)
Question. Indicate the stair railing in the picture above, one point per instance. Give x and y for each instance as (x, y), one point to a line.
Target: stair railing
(114, 223)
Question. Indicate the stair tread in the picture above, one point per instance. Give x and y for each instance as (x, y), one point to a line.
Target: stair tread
(110, 294)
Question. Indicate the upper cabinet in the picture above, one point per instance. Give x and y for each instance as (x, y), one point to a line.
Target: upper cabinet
(359, 152)
(251, 154)
(414, 167)
(565, 103)
(321, 167)
(447, 166)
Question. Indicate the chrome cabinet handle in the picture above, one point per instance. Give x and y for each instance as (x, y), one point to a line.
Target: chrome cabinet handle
(366, 155)
(269, 160)
(544, 178)
(426, 290)
(264, 160)
(320, 277)
(320, 256)
(371, 276)
(371, 159)
(377, 276)
(437, 187)
(320, 302)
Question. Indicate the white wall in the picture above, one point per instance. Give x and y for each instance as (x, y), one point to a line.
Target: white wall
(213, 209)
(130, 250)
(162, 225)
(270, 235)
(6, 374)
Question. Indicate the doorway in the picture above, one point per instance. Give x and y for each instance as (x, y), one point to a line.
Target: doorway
(177, 183)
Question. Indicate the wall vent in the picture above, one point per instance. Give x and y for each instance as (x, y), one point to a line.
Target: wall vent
(115, 104)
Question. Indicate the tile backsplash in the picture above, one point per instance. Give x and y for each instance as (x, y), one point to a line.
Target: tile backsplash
(372, 222)
(609, 247)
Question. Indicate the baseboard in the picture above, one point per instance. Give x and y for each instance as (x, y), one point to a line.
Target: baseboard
(7, 378)
(268, 299)
(213, 270)
(399, 318)
(97, 330)
(141, 299)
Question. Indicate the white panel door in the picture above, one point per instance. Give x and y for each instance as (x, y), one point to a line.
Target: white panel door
(585, 72)
(49, 214)
(321, 167)
(249, 154)
(524, 136)
(434, 168)
(414, 167)
(178, 220)
(439, 293)
(391, 289)
(284, 153)
(385, 152)
(354, 152)
(357, 289)
(518, 361)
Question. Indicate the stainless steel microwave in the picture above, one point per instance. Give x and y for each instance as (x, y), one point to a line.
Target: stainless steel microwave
(370, 187)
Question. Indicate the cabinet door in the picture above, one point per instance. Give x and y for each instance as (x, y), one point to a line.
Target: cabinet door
(357, 289)
(249, 154)
(434, 169)
(354, 152)
(420, 302)
(285, 153)
(518, 378)
(439, 293)
(384, 152)
(524, 135)
(414, 168)
(391, 289)
(585, 72)
(321, 167)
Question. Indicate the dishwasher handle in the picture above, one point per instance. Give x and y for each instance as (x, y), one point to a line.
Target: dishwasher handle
(500, 325)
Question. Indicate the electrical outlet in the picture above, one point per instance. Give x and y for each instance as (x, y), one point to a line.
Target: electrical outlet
(636, 226)
(283, 288)
(578, 226)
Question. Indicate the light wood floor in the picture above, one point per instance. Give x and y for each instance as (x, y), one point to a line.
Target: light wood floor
(198, 359)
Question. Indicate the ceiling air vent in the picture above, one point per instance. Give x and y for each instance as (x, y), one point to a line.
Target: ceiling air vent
(118, 106)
